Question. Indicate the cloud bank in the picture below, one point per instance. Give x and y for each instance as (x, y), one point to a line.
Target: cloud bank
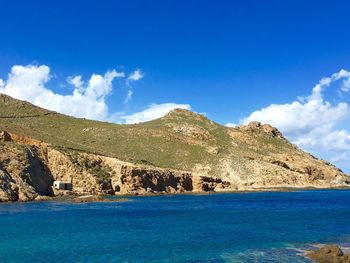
(88, 98)
(312, 122)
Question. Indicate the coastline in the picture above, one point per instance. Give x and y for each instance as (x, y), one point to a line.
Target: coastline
(74, 198)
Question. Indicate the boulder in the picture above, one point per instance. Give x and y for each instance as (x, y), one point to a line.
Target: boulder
(272, 131)
(5, 136)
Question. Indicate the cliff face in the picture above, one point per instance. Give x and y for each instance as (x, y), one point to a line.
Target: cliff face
(27, 172)
(23, 172)
(181, 152)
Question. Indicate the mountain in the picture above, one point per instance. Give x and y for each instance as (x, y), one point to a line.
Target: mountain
(180, 152)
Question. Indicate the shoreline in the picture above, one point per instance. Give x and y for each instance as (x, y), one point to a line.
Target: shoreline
(90, 198)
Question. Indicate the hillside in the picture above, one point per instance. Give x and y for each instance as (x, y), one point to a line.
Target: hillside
(183, 151)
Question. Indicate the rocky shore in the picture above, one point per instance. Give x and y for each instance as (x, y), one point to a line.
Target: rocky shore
(329, 254)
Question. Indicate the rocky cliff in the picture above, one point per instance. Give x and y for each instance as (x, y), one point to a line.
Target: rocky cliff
(181, 152)
(29, 168)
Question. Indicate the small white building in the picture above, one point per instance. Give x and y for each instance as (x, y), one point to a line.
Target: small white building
(59, 185)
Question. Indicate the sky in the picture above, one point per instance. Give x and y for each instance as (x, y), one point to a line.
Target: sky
(281, 62)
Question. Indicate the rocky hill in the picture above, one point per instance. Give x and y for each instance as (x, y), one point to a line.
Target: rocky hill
(181, 152)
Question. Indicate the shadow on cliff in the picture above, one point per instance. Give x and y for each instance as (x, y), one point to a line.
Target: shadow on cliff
(39, 175)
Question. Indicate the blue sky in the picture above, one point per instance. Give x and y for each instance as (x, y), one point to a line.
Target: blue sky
(226, 59)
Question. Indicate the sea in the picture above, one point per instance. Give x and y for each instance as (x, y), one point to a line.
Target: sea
(232, 227)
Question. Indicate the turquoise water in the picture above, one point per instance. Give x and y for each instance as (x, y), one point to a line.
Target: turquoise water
(248, 227)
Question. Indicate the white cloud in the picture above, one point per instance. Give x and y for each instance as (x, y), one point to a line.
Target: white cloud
(317, 91)
(312, 122)
(28, 83)
(2, 84)
(136, 75)
(128, 96)
(231, 125)
(77, 82)
(88, 98)
(154, 111)
(298, 117)
(346, 85)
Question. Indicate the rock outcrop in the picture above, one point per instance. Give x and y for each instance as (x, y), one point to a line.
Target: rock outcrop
(329, 254)
(23, 173)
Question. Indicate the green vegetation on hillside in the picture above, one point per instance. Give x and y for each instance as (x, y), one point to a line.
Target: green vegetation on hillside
(179, 140)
